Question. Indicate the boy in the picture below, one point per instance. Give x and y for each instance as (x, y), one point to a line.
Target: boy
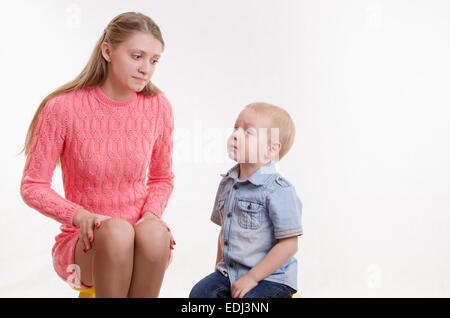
(259, 212)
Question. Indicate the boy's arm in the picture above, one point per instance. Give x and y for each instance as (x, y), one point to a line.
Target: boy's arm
(276, 257)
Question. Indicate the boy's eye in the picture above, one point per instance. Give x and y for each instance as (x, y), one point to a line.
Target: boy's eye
(134, 56)
(249, 132)
(155, 61)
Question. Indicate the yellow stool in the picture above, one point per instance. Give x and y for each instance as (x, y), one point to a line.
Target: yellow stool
(85, 293)
(297, 295)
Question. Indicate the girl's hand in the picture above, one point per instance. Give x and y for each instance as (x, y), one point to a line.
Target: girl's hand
(86, 221)
(151, 216)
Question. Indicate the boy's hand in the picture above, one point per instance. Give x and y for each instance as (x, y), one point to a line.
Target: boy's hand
(242, 286)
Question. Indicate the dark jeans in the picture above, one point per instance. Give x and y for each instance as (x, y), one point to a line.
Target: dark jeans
(217, 285)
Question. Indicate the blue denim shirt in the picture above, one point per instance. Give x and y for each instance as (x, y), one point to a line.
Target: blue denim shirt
(254, 214)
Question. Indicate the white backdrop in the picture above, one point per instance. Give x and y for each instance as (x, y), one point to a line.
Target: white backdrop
(365, 81)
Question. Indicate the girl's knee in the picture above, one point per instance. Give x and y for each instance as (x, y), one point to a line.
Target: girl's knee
(152, 240)
(151, 231)
(115, 233)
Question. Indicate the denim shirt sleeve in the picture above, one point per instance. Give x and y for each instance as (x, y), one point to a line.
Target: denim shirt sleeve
(285, 212)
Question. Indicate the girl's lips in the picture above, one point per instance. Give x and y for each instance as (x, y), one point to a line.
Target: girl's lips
(139, 79)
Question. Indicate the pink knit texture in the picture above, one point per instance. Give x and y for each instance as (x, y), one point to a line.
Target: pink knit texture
(116, 160)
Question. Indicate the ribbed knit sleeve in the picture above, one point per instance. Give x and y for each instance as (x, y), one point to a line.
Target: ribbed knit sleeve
(46, 146)
(160, 176)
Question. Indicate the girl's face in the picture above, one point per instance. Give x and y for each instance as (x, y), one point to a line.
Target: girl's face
(132, 62)
(249, 141)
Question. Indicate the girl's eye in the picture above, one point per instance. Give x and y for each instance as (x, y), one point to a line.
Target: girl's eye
(248, 132)
(155, 61)
(136, 56)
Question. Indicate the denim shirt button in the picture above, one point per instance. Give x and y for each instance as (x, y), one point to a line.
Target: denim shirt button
(235, 187)
(225, 243)
(249, 207)
(231, 265)
(229, 215)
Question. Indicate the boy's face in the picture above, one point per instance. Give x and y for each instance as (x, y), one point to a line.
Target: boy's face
(249, 142)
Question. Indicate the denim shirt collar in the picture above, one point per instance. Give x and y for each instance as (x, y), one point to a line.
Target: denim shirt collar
(259, 177)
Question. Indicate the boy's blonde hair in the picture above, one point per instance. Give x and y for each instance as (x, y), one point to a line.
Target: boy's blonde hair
(280, 119)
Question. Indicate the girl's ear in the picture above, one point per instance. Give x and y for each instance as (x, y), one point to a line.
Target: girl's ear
(106, 51)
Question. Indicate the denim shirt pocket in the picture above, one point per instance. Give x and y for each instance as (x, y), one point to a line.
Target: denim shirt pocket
(250, 214)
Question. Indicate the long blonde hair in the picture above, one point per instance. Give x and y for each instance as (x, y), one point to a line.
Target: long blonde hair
(94, 73)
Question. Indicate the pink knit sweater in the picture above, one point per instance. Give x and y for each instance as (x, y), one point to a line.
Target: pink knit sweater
(106, 147)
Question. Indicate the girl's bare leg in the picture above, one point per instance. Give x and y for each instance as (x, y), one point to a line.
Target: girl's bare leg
(108, 265)
(151, 255)
(84, 261)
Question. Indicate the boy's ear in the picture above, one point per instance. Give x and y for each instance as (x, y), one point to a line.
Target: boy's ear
(274, 150)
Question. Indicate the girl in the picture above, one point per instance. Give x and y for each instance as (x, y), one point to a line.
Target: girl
(105, 128)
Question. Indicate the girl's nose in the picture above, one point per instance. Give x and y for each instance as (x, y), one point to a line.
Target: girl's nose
(145, 67)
